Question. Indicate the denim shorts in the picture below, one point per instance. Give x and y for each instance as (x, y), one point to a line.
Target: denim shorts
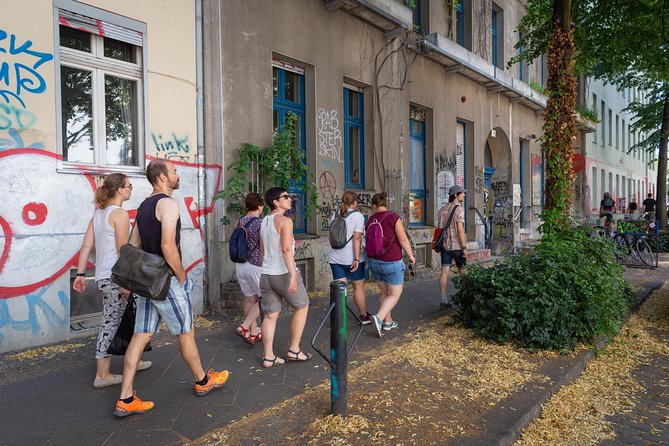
(391, 273)
(341, 271)
(447, 258)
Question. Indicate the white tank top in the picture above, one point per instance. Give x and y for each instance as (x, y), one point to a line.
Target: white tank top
(272, 260)
(105, 242)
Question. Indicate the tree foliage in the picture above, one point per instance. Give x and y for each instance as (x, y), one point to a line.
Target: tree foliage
(623, 43)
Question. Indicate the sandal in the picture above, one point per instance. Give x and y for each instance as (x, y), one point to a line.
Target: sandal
(243, 332)
(297, 358)
(272, 362)
(252, 339)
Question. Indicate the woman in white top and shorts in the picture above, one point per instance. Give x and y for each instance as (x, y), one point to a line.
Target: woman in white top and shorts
(280, 280)
(248, 273)
(107, 231)
(348, 263)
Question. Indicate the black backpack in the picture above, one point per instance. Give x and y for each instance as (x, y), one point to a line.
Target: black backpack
(239, 248)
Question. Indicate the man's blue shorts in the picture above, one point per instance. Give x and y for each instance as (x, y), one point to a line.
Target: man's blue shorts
(447, 258)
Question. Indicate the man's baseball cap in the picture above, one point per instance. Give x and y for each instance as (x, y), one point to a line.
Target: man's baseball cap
(454, 190)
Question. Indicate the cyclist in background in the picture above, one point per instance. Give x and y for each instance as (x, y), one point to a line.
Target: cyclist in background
(606, 209)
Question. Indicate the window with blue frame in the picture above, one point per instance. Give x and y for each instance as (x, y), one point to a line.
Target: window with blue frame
(288, 99)
(521, 63)
(494, 37)
(417, 182)
(460, 22)
(354, 139)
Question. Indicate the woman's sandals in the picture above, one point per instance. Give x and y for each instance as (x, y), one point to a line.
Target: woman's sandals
(296, 356)
(272, 362)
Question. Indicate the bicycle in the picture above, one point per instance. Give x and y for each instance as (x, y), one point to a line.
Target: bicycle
(635, 248)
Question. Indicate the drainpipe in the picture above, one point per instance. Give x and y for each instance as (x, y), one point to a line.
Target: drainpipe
(201, 196)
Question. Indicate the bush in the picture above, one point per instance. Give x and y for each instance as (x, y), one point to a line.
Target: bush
(568, 289)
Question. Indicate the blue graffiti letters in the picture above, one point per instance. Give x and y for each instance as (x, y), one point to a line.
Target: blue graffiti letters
(18, 77)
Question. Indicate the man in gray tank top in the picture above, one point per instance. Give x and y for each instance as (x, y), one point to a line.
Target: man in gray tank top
(158, 227)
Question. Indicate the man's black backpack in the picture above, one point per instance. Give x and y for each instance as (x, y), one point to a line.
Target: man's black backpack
(338, 231)
(239, 248)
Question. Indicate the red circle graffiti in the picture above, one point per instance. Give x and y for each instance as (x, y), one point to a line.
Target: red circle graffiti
(34, 214)
(7, 233)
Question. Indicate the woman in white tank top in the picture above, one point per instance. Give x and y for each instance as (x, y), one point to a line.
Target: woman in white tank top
(280, 280)
(107, 231)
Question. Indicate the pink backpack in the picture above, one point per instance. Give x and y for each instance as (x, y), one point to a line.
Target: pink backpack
(374, 241)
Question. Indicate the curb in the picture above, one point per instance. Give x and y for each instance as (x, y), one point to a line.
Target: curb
(503, 425)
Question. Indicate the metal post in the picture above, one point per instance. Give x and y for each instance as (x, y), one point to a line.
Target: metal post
(338, 356)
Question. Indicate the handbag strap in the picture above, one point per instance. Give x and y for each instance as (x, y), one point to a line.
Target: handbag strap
(450, 218)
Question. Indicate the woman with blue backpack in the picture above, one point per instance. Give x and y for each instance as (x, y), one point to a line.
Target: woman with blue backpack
(346, 258)
(385, 238)
(248, 261)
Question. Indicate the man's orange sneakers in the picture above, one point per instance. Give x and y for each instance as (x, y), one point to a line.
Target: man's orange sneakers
(215, 379)
(137, 406)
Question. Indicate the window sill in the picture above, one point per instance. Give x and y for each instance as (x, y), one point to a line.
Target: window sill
(98, 170)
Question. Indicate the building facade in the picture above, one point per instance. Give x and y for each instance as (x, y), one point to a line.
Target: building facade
(88, 88)
(403, 97)
(609, 164)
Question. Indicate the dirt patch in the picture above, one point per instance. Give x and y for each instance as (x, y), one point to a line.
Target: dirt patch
(425, 391)
(578, 413)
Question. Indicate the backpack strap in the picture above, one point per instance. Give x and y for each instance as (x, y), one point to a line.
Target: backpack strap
(450, 219)
(246, 227)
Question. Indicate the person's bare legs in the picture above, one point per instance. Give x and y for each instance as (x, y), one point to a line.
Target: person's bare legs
(443, 284)
(131, 360)
(268, 329)
(359, 296)
(191, 355)
(102, 369)
(389, 300)
(297, 324)
(251, 313)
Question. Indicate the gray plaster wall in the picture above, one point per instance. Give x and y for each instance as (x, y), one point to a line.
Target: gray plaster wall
(333, 48)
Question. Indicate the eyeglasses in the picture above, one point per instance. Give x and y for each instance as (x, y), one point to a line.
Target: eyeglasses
(284, 196)
(411, 270)
(127, 186)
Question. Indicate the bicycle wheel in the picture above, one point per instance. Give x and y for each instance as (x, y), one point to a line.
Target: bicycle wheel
(644, 252)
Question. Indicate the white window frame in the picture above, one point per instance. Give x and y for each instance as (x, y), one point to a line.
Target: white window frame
(99, 66)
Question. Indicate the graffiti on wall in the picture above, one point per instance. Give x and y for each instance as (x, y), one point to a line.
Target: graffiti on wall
(329, 135)
(19, 71)
(43, 216)
(172, 147)
(479, 179)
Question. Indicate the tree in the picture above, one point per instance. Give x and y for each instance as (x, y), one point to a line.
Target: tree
(560, 120)
(623, 43)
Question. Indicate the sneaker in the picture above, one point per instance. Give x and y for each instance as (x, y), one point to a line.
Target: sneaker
(387, 326)
(446, 306)
(366, 319)
(376, 323)
(216, 379)
(137, 406)
(143, 365)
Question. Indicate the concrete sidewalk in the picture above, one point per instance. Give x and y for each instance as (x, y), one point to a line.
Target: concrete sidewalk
(51, 401)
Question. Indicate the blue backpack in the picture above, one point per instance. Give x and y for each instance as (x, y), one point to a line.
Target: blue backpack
(239, 248)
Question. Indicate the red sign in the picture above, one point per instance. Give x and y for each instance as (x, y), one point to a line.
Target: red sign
(577, 162)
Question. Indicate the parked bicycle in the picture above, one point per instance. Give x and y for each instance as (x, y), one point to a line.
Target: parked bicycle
(632, 249)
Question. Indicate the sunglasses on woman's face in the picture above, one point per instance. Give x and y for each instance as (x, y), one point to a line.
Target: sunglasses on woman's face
(284, 196)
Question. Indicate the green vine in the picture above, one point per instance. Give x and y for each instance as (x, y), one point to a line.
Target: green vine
(256, 169)
(559, 130)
